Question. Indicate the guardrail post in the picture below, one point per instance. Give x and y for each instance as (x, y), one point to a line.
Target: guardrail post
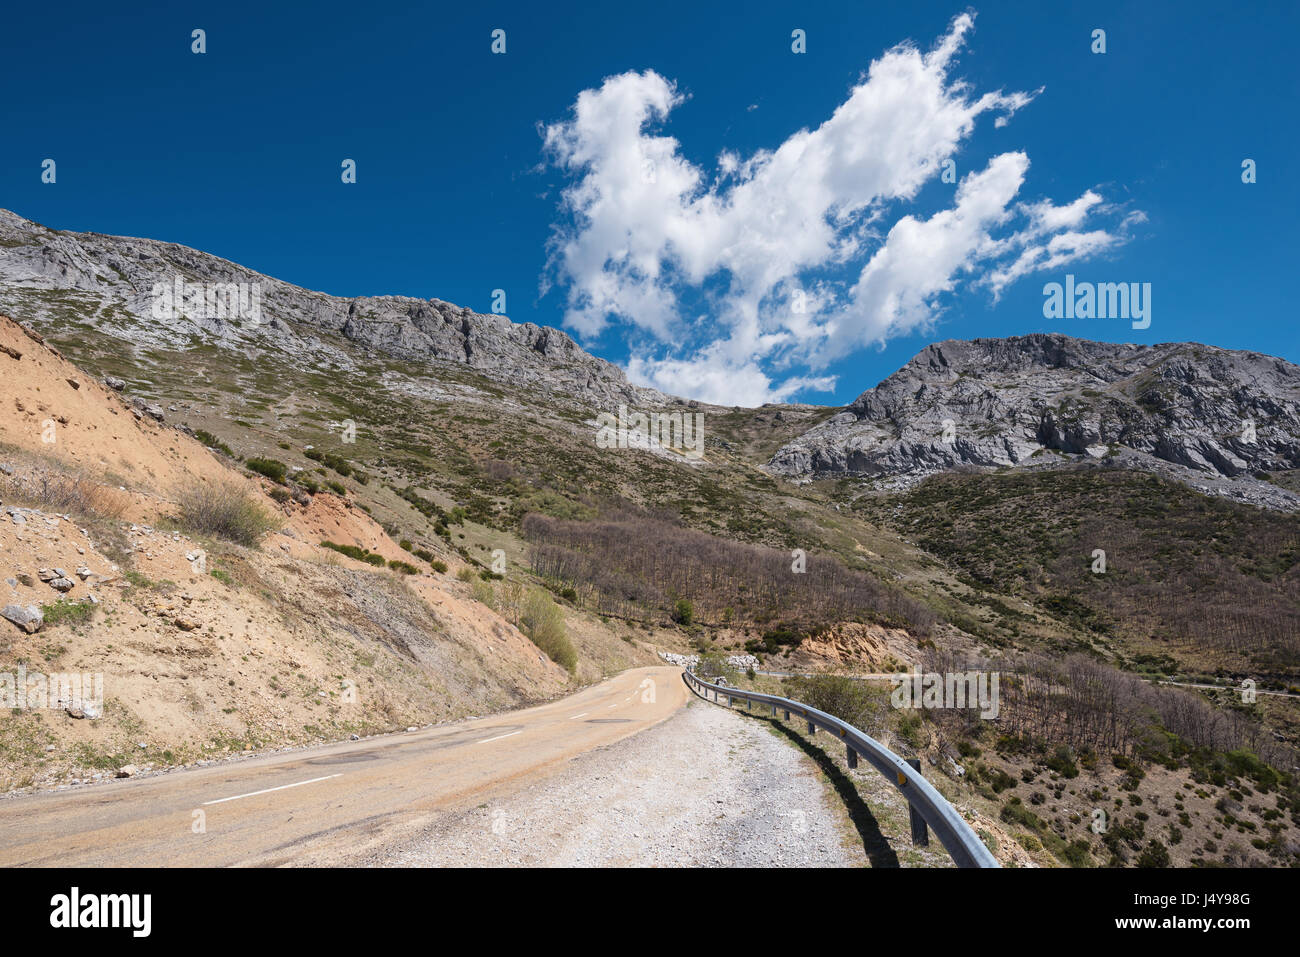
(728, 701)
(850, 755)
(920, 836)
(774, 710)
(812, 728)
(787, 714)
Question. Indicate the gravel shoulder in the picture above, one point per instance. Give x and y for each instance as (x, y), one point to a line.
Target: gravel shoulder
(706, 788)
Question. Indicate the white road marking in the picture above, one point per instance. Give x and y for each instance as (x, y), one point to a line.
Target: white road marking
(499, 737)
(269, 790)
(577, 716)
(614, 706)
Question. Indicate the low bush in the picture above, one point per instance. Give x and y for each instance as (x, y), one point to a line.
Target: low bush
(64, 612)
(360, 554)
(224, 511)
(54, 491)
(543, 622)
(484, 593)
(331, 460)
(842, 697)
(273, 469)
(212, 442)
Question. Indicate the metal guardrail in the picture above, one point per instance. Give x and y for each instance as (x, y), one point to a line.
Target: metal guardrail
(927, 804)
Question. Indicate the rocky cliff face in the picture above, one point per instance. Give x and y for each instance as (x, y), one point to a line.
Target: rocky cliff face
(47, 275)
(1211, 417)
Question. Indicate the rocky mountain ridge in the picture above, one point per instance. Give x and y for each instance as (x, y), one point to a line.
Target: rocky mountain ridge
(45, 274)
(1214, 418)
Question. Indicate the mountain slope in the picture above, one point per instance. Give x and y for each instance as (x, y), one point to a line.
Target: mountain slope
(1212, 418)
(207, 647)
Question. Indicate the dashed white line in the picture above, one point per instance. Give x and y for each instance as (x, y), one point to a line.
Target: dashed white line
(269, 790)
(577, 716)
(499, 737)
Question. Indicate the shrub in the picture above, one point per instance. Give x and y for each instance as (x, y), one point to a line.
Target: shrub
(466, 573)
(543, 622)
(224, 511)
(1029, 842)
(64, 612)
(909, 728)
(683, 611)
(360, 554)
(1076, 853)
(54, 491)
(1000, 781)
(406, 568)
(212, 442)
(271, 468)
(1154, 854)
(842, 697)
(1062, 762)
(713, 665)
(138, 580)
(437, 566)
(483, 592)
(336, 462)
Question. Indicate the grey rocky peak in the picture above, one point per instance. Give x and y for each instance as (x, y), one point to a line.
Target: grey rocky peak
(49, 277)
(1214, 418)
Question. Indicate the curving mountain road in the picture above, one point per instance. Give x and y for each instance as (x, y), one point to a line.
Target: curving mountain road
(333, 804)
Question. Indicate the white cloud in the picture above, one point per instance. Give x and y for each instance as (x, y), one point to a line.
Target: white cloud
(711, 377)
(645, 226)
(895, 293)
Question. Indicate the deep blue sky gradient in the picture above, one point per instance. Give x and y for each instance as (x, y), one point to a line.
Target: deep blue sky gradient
(238, 152)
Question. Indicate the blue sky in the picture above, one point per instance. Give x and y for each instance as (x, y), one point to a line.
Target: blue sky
(474, 172)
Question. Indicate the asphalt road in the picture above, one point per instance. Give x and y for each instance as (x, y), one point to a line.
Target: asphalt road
(329, 805)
